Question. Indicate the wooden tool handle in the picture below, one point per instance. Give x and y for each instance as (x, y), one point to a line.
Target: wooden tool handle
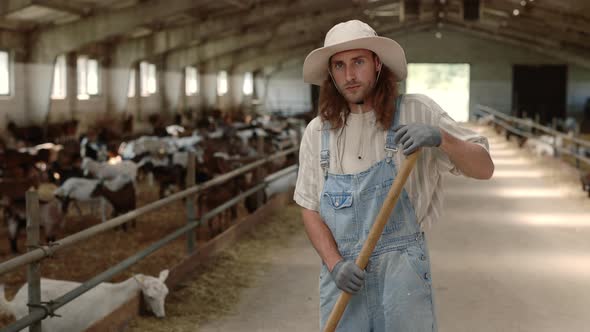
(374, 235)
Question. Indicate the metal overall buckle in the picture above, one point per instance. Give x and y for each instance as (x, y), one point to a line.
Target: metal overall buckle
(389, 153)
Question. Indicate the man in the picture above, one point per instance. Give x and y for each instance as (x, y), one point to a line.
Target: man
(348, 159)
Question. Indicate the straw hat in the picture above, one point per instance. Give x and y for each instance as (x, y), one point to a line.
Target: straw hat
(352, 35)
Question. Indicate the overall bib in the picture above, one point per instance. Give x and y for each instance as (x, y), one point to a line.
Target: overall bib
(397, 292)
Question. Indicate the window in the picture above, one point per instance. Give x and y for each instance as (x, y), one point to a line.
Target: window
(147, 72)
(4, 73)
(222, 83)
(87, 77)
(191, 81)
(447, 84)
(131, 87)
(248, 87)
(92, 79)
(59, 78)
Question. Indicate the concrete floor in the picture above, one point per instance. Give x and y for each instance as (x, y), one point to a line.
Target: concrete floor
(511, 254)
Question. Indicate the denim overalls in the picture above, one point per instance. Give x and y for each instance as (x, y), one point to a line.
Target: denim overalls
(397, 293)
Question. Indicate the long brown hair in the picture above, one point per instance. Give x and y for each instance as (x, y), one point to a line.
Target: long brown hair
(332, 104)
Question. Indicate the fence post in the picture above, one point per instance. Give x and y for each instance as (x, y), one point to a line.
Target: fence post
(33, 270)
(190, 201)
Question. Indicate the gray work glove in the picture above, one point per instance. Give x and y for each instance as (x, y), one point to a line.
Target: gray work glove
(348, 276)
(415, 135)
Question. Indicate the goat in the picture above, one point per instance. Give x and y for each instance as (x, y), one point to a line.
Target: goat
(77, 189)
(143, 145)
(543, 145)
(486, 120)
(51, 214)
(107, 170)
(13, 192)
(31, 135)
(16, 220)
(91, 306)
(120, 192)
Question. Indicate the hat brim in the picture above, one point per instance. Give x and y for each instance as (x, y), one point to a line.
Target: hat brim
(315, 67)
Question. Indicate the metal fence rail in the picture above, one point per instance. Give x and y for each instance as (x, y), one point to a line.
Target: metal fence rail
(40, 311)
(510, 123)
(48, 250)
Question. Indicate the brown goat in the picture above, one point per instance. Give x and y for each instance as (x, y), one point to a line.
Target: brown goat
(122, 200)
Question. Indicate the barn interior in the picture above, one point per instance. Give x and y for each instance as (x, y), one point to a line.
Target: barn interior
(181, 94)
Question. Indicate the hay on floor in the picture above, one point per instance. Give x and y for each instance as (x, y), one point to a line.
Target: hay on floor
(215, 289)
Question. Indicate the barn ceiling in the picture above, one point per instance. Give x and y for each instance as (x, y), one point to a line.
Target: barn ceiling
(239, 31)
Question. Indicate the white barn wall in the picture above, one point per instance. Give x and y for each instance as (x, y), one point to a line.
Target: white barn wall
(209, 89)
(118, 89)
(491, 75)
(236, 89)
(491, 66)
(287, 93)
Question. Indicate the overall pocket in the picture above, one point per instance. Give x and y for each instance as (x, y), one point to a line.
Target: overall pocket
(337, 211)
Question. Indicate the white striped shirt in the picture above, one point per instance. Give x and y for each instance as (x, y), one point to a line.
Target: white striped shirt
(424, 186)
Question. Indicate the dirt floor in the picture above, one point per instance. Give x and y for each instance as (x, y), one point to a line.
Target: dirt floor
(97, 254)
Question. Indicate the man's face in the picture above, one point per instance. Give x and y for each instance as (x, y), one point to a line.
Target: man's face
(354, 73)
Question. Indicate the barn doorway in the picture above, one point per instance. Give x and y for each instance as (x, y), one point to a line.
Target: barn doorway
(539, 92)
(446, 84)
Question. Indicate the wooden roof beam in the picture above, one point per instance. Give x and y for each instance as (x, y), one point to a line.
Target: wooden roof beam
(308, 42)
(10, 6)
(535, 27)
(190, 38)
(565, 21)
(67, 37)
(68, 6)
(582, 60)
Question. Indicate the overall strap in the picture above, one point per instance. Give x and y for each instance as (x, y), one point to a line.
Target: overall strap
(325, 151)
(390, 147)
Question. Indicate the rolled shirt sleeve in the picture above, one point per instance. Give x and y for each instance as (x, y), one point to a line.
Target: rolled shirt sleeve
(306, 187)
(446, 123)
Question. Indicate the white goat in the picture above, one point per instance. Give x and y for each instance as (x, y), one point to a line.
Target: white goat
(145, 144)
(79, 189)
(91, 306)
(106, 170)
(486, 120)
(543, 145)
